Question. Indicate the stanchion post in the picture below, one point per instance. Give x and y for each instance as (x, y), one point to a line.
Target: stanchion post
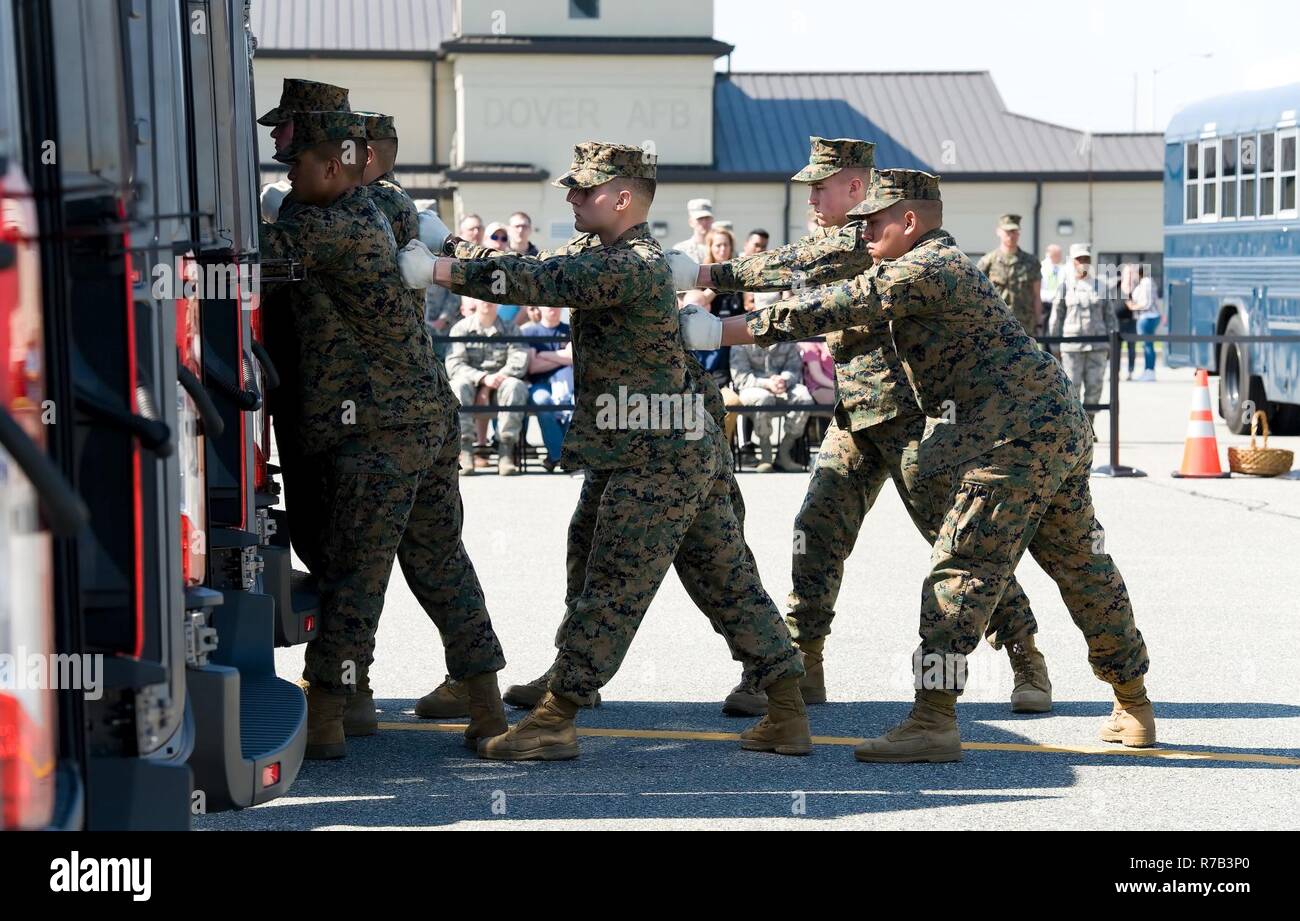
(1115, 468)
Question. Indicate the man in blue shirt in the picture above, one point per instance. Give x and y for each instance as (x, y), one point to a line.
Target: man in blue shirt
(550, 378)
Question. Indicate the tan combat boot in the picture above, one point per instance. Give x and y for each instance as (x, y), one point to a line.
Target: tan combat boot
(813, 683)
(359, 718)
(929, 734)
(1032, 691)
(545, 734)
(325, 738)
(449, 700)
(784, 729)
(764, 457)
(506, 458)
(785, 461)
(1133, 719)
(487, 717)
(527, 696)
(745, 700)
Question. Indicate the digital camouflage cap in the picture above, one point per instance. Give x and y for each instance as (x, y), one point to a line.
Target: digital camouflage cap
(828, 157)
(379, 127)
(305, 96)
(1009, 222)
(894, 185)
(312, 128)
(595, 164)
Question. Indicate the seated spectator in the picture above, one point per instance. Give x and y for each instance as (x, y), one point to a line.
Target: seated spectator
(766, 377)
(441, 313)
(484, 373)
(720, 247)
(550, 379)
(818, 371)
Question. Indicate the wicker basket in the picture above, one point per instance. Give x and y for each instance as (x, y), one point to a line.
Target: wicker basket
(1263, 461)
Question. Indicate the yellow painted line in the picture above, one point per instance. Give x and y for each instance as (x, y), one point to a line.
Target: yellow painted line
(677, 735)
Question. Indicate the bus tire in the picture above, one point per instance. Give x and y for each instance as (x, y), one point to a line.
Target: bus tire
(1237, 386)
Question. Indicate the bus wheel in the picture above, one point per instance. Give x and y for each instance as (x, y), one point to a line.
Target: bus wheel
(1238, 388)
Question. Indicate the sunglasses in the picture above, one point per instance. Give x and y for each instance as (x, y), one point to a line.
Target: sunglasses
(500, 236)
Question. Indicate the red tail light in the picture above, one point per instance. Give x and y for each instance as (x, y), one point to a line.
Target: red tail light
(251, 300)
(27, 714)
(190, 446)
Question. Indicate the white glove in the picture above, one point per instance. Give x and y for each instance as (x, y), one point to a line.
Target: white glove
(433, 232)
(416, 264)
(273, 195)
(686, 271)
(701, 330)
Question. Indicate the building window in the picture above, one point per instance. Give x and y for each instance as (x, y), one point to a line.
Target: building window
(1209, 181)
(584, 9)
(1267, 174)
(1249, 175)
(1286, 173)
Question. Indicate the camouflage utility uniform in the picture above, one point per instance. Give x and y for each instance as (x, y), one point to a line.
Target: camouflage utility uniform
(1013, 465)
(378, 417)
(656, 491)
(1017, 278)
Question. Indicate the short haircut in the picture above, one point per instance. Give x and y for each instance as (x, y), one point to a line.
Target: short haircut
(522, 214)
(348, 152)
(928, 210)
(385, 150)
(641, 188)
(760, 232)
(471, 217)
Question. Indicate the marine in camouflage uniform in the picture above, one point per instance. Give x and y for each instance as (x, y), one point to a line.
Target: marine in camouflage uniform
(874, 437)
(302, 483)
(1017, 277)
(1082, 307)
(377, 416)
(656, 492)
(1015, 459)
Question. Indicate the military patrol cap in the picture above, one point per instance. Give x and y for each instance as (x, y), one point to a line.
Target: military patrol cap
(1080, 251)
(828, 157)
(699, 207)
(379, 127)
(894, 185)
(305, 96)
(312, 128)
(595, 164)
(1009, 222)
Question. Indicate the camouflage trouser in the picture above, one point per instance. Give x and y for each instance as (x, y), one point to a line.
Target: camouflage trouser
(628, 527)
(511, 392)
(1035, 496)
(851, 469)
(1086, 370)
(395, 496)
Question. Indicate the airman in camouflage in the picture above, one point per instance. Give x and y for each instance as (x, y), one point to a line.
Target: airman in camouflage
(650, 451)
(874, 437)
(381, 422)
(1083, 308)
(1004, 434)
(1016, 275)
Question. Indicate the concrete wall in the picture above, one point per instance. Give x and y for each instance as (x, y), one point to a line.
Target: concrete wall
(403, 89)
(532, 108)
(689, 18)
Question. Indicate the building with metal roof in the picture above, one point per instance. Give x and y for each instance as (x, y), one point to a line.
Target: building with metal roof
(490, 98)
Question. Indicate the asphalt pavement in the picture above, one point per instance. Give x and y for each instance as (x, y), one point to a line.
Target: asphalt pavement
(1211, 566)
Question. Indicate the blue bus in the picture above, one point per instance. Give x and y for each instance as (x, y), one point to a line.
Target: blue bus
(1232, 248)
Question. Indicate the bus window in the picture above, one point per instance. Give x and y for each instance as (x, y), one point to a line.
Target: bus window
(1249, 170)
(1192, 167)
(1287, 175)
(1228, 154)
(1267, 180)
(1209, 185)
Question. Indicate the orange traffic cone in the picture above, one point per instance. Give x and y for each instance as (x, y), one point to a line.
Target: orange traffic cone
(1201, 453)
